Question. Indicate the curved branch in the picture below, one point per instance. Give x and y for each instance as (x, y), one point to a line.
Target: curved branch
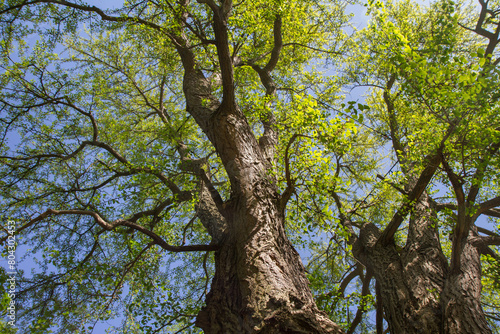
(358, 271)
(278, 45)
(433, 162)
(289, 182)
(110, 226)
(88, 9)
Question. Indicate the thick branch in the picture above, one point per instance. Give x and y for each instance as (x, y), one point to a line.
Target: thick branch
(479, 174)
(487, 208)
(220, 17)
(491, 240)
(479, 25)
(278, 45)
(433, 162)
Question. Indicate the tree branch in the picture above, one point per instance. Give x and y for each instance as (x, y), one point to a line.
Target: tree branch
(110, 226)
(433, 162)
(289, 182)
(89, 9)
(490, 212)
(490, 240)
(487, 208)
(365, 291)
(278, 45)
(479, 174)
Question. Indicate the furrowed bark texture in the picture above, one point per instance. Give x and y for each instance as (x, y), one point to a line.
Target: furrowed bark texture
(461, 298)
(425, 267)
(420, 293)
(260, 283)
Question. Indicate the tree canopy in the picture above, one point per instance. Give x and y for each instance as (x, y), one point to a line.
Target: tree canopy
(164, 160)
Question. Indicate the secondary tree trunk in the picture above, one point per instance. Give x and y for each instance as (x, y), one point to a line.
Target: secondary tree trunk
(461, 298)
(420, 294)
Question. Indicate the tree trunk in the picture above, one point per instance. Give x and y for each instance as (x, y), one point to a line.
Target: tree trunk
(424, 267)
(461, 298)
(260, 283)
(420, 294)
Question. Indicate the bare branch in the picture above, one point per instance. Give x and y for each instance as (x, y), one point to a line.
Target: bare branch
(90, 9)
(485, 231)
(489, 212)
(491, 240)
(488, 206)
(289, 182)
(278, 45)
(358, 271)
(479, 174)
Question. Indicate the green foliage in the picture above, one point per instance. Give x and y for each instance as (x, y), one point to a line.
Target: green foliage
(93, 117)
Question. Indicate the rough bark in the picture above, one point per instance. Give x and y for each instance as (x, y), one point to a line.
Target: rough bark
(418, 290)
(385, 263)
(260, 283)
(425, 267)
(461, 298)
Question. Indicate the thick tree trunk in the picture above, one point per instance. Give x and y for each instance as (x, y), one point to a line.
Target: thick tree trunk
(419, 293)
(260, 283)
(385, 263)
(424, 267)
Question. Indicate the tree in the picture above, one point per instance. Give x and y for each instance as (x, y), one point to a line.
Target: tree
(434, 106)
(170, 144)
(165, 127)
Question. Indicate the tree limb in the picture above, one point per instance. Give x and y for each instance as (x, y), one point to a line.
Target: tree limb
(433, 162)
(488, 207)
(110, 226)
